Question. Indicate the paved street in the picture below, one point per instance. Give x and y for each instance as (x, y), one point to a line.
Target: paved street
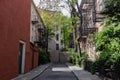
(52, 71)
(57, 72)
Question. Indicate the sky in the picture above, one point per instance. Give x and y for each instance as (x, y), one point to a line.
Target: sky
(36, 2)
(64, 11)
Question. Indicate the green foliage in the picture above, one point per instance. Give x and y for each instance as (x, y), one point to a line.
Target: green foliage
(108, 42)
(67, 28)
(82, 59)
(54, 20)
(75, 59)
(44, 57)
(66, 24)
(51, 20)
(74, 56)
(112, 9)
(89, 66)
(108, 39)
(104, 65)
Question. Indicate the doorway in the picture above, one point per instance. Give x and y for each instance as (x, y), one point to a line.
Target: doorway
(21, 57)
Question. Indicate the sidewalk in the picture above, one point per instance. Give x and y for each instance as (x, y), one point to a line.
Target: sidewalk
(82, 74)
(34, 73)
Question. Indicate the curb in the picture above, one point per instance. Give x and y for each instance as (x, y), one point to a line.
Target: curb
(41, 72)
(67, 64)
(81, 74)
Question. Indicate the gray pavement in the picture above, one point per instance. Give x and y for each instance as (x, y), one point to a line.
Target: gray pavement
(57, 72)
(32, 74)
(82, 74)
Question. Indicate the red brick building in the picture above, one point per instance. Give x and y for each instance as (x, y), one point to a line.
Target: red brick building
(15, 48)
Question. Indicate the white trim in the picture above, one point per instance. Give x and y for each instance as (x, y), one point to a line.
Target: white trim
(23, 56)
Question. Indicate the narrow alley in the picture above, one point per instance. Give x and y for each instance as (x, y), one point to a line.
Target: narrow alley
(59, 39)
(57, 72)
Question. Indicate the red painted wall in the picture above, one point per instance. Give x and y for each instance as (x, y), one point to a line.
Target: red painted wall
(14, 26)
(35, 59)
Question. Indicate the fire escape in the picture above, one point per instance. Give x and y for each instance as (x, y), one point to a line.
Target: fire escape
(41, 42)
(88, 17)
(88, 21)
(42, 37)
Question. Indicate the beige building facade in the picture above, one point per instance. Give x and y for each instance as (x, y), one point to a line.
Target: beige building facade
(91, 24)
(37, 26)
(55, 46)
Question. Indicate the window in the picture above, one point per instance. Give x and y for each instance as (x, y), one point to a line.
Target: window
(57, 46)
(57, 36)
(61, 41)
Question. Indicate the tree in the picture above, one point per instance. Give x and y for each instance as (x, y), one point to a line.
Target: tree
(112, 10)
(51, 5)
(108, 40)
(53, 20)
(75, 11)
(66, 24)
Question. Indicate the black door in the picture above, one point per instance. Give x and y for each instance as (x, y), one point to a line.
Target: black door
(20, 57)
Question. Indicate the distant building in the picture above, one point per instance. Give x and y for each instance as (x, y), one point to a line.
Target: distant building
(17, 54)
(55, 46)
(54, 39)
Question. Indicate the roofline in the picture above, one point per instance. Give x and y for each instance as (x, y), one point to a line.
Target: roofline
(38, 14)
